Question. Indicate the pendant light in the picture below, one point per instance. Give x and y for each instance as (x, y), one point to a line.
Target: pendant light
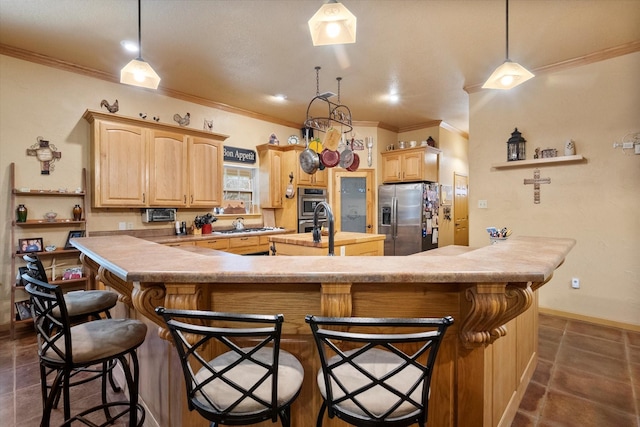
(138, 72)
(332, 24)
(510, 74)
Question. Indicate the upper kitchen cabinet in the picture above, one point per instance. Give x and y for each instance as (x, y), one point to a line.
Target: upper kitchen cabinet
(168, 183)
(410, 165)
(139, 164)
(317, 179)
(206, 158)
(271, 167)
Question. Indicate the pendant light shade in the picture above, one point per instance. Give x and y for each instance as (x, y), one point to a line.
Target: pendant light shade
(333, 24)
(138, 72)
(510, 74)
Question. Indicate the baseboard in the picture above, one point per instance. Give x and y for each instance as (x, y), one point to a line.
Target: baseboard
(589, 319)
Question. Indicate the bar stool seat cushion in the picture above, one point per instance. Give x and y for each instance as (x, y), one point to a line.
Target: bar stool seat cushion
(290, 375)
(86, 302)
(101, 339)
(377, 399)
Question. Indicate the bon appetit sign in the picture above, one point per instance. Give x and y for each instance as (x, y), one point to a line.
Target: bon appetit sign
(239, 155)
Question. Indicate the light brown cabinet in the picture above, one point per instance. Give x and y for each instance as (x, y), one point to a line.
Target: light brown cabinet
(318, 179)
(409, 165)
(271, 170)
(139, 164)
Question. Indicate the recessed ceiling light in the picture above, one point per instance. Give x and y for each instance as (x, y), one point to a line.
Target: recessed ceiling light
(129, 46)
(394, 98)
(280, 97)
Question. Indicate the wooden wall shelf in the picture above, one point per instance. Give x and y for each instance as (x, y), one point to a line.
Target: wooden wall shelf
(539, 162)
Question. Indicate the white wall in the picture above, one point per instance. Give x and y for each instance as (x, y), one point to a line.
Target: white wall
(596, 202)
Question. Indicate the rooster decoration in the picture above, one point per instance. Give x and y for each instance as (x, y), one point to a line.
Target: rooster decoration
(110, 108)
(182, 121)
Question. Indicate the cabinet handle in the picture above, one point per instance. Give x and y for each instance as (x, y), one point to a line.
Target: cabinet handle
(185, 199)
(144, 198)
(192, 199)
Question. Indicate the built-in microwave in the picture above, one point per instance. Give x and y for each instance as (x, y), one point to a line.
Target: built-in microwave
(308, 199)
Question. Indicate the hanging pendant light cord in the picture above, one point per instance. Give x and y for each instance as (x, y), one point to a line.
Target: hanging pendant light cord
(139, 32)
(338, 79)
(507, 26)
(317, 80)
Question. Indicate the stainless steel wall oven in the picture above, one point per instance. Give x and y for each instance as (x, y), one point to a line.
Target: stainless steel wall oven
(308, 199)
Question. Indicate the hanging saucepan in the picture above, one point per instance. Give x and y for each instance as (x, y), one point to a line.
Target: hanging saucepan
(346, 157)
(329, 158)
(309, 161)
(354, 165)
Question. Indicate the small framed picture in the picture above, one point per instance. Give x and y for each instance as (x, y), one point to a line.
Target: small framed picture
(30, 245)
(23, 310)
(72, 235)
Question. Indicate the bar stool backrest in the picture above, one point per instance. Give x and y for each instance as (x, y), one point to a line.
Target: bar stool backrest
(242, 344)
(377, 371)
(51, 321)
(35, 267)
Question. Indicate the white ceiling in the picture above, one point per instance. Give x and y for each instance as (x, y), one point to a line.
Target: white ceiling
(241, 52)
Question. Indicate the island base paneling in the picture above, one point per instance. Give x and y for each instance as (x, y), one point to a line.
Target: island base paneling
(492, 369)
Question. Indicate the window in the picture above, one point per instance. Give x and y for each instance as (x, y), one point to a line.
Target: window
(239, 184)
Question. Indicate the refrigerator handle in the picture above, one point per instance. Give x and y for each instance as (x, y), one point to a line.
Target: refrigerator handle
(394, 217)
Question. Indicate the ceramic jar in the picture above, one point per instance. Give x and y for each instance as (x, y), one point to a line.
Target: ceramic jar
(21, 213)
(77, 213)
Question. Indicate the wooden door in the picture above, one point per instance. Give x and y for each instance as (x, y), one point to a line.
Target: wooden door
(205, 172)
(120, 159)
(353, 200)
(167, 169)
(461, 210)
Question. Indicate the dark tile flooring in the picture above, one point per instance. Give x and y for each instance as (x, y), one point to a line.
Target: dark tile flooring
(587, 376)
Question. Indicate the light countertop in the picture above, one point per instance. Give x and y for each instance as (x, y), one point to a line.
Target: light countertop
(518, 259)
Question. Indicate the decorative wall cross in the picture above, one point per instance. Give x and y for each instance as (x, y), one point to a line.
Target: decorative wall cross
(46, 153)
(536, 181)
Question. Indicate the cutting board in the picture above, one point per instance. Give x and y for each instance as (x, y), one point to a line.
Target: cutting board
(233, 206)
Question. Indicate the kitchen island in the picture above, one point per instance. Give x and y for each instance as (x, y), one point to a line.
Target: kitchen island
(484, 364)
(346, 244)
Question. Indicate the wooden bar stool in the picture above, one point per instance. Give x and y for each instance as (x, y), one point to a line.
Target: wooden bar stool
(370, 378)
(234, 369)
(65, 349)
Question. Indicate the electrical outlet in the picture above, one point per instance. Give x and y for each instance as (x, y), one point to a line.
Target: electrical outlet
(575, 283)
(122, 226)
(482, 204)
(129, 226)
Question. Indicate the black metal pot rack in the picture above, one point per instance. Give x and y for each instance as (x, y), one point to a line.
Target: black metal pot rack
(336, 113)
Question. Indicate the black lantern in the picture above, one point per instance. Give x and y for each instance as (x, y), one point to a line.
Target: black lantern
(515, 147)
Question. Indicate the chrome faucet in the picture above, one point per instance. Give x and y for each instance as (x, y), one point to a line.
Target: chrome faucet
(317, 233)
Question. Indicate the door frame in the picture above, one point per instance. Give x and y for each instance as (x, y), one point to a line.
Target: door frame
(458, 238)
(335, 187)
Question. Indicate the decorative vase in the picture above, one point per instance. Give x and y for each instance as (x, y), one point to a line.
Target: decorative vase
(21, 213)
(206, 229)
(569, 147)
(77, 213)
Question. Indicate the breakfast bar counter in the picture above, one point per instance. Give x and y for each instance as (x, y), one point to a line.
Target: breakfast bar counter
(484, 364)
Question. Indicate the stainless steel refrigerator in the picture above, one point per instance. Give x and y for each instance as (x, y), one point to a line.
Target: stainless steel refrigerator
(408, 216)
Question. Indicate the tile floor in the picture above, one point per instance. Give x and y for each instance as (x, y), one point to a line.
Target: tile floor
(587, 376)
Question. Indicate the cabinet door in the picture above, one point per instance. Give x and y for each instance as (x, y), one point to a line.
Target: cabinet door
(412, 166)
(120, 174)
(271, 178)
(391, 167)
(167, 169)
(206, 167)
